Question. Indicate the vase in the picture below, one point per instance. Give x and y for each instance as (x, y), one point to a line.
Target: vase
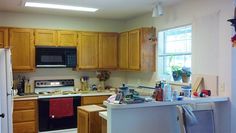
(101, 86)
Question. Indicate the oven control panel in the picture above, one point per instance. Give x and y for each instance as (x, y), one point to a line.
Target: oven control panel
(53, 83)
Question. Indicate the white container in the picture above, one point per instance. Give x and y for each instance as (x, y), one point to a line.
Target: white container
(167, 93)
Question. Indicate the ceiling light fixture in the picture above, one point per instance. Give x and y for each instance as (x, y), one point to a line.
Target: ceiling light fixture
(157, 10)
(56, 6)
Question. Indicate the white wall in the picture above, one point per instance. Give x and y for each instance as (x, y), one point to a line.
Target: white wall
(211, 47)
(59, 22)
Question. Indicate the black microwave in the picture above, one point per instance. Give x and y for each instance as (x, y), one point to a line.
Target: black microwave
(55, 57)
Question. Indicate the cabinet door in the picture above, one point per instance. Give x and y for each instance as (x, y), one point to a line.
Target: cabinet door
(67, 38)
(88, 50)
(83, 122)
(108, 50)
(3, 37)
(134, 50)
(22, 47)
(45, 38)
(123, 51)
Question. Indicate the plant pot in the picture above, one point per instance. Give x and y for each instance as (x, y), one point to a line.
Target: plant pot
(176, 76)
(185, 78)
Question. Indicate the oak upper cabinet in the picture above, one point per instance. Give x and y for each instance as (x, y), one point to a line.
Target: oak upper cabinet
(88, 50)
(3, 37)
(22, 47)
(67, 38)
(134, 50)
(108, 50)
(137, 50)
(45, 37)
(123, 51)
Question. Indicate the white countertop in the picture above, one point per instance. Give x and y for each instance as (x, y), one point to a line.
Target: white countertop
(103, 114)
(158, 103)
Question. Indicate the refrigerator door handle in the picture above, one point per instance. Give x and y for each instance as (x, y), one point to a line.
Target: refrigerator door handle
(2, 115)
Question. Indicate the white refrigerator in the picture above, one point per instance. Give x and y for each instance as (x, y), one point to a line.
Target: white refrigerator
(6, 97)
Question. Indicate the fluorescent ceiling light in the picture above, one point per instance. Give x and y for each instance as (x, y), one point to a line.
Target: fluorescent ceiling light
(63, 7)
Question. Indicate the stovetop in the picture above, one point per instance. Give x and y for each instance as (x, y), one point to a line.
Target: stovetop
(55, 88)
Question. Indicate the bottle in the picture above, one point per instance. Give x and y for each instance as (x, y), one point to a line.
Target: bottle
(167, 93)
(159, 92)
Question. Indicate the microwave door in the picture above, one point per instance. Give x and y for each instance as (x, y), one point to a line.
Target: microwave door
(50, 58)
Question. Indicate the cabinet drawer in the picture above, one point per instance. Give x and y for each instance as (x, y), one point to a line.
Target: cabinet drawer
(87, 100)
(24, 127)
(23, 115)
(21, 105)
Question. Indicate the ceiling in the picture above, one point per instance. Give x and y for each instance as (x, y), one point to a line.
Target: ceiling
(109, 9)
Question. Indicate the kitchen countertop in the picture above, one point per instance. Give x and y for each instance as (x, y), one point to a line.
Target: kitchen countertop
(26, 97)
(32, 97)
(103, 114)
(158, 103)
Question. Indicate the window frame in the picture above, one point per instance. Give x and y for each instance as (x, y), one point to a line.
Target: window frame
(165, 54)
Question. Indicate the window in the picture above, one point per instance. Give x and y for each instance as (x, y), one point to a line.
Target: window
(174, 48)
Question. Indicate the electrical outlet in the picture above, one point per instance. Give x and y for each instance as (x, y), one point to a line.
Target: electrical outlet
(222, 87)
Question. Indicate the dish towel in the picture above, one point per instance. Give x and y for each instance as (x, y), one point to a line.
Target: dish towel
(189, 115)
(61, 107)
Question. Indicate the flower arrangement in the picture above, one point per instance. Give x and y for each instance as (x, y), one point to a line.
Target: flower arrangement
(103, 75)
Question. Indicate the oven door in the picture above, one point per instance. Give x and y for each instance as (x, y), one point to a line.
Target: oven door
(50, 57)
(47, 123)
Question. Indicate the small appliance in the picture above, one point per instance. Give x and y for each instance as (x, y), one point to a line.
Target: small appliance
(47, 57)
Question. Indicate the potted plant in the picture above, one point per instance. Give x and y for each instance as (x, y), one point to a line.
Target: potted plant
(176, 73)
(186, 74)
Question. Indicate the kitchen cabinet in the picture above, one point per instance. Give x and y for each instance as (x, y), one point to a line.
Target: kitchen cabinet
(67, 38)
(45, 37)
(88, 50)
(137, 50)
(108, 50)
(89, 100)
(89, 120)
(134, 50)
(104, 125)
(3, 37)
(22, 48)
(123, 51)
(25, 117)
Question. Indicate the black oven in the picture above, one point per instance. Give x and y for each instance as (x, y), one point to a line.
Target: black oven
(48, 123)
(56, 57)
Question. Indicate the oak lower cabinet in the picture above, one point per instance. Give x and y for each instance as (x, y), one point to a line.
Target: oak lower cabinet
(88, 50)
(108, 50)
(97, 100)
(45, 37)
(25, 116)
(23, 50)
(3, 37)
(137, 50)
(89, 120)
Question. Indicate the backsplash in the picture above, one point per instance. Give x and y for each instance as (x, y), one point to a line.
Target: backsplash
(116, 79)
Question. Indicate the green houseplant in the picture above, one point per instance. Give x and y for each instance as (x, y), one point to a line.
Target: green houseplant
(176, 73)
(186, 74)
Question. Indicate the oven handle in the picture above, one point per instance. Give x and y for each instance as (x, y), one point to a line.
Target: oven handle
(42, 66)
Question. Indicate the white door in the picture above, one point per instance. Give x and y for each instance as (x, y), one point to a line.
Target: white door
(3, 93)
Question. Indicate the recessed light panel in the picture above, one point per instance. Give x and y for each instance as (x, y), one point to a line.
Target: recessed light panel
(62, 7)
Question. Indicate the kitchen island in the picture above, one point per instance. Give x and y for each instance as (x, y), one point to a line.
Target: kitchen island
(158, 117)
